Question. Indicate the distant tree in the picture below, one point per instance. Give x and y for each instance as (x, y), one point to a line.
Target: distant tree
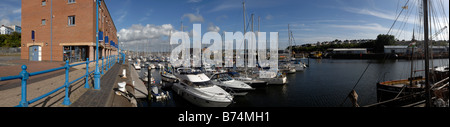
(2, 40)
(383, 40)
(10, 40)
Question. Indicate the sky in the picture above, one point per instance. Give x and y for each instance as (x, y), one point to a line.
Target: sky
(144, 24)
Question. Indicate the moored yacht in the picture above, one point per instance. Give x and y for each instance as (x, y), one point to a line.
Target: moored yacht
(197, 88)
(137, 64)
(299, 66)
(274, 79)
(228, 83)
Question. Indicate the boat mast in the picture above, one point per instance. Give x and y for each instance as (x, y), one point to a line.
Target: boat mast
(259, 19)
(290, 47)
(413, 41)
(245, 45)
(243, 4)
(427, 59)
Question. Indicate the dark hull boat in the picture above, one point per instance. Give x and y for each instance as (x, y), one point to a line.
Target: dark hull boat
(399, 88)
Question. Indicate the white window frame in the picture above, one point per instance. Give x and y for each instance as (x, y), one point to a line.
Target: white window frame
(71, 1)
(43, 22)
(71, 21)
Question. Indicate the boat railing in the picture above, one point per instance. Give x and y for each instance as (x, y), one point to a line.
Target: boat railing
(25, 75)
(437, 86)
(395, 99)
(441, 84)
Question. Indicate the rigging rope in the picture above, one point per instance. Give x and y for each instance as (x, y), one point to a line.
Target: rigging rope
(353, 89)
(397, 17)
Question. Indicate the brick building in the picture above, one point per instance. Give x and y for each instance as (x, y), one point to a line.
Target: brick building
(69, 35)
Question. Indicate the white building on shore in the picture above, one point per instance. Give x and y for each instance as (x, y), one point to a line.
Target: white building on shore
(6, 30)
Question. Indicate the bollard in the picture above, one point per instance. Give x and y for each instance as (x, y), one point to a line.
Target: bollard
(102, 67)
(86, 85)
(66, 84)
(25, 75)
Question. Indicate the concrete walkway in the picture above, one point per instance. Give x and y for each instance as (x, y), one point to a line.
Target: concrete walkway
(102, 97)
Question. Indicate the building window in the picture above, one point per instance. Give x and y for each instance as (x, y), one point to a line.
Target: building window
(71, 1)
(44, 2)
(71, 21)
(43, 22)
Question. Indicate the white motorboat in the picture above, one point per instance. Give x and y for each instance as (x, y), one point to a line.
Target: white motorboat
(168, 77)
(159, 66)
(287, 67)
(247, 80)
(275, 79)
(152, 66)
(144, 76)
(198, 89)
(228, 83)
(299, 66)
(137, 64)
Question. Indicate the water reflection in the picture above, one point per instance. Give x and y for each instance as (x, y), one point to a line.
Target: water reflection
(326, 83)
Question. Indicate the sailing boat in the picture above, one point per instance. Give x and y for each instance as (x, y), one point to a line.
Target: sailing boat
(419, 88)
(245, 78)
(393, 89)
(299, 66)
(286, 65)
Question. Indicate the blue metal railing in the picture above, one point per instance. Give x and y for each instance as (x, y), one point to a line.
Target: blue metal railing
(24, 76)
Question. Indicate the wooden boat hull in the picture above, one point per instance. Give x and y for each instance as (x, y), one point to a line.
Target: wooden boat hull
(391, 89)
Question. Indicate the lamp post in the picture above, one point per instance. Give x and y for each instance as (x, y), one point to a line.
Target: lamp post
(97, 72)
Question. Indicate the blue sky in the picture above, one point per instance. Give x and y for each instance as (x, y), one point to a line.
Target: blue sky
(143, 21)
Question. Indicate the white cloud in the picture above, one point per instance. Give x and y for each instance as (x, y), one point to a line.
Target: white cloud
(384, 15)
(8, 22)
(269, 17)
(5, 22)
(226, 6)
(371, 27)
(150, 31)
(10, 15)
(213, 28)
(17, 11)
(153, 37)
(390, 16)
(123, 14)
(193, 17)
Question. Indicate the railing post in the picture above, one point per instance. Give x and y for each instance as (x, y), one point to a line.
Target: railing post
(25, 75)
(123, 58)
(102, 66)
(110, 61)
(107, 63)
(86, 85)
(66, 84)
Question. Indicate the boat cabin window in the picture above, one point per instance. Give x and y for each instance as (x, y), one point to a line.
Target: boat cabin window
(203, 84)
(222, 77)
(198, 84)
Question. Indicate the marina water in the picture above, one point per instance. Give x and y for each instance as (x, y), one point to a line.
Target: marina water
(325, 83)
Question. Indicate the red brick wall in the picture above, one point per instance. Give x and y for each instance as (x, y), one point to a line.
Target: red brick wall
(82, 33)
